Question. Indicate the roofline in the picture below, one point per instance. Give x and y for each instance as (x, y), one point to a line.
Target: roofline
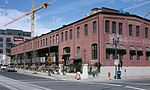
(107, 13)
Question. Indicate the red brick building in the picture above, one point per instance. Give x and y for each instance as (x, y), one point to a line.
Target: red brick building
(93, 39)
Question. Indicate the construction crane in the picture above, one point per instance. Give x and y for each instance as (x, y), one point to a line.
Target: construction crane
(44, 5)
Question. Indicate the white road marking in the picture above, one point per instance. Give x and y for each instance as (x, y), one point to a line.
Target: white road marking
(136, 83)
(111, 84)
(18, 85)
(135, 88)
(8, 86)
(104, 84)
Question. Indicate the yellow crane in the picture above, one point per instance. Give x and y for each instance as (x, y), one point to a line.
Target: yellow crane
(44, 5)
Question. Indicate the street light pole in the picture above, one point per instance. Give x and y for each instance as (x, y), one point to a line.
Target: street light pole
(116, 61)
(49, 61)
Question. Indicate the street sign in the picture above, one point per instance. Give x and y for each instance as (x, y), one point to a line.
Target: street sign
(116, 61)
(49, 59)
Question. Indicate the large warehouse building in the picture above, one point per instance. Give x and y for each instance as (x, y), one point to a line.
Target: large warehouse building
(114, 40)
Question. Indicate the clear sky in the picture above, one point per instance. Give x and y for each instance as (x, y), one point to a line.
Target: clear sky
(62, 12)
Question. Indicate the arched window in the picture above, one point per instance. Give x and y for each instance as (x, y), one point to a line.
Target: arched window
(66, 50)
(94, 51)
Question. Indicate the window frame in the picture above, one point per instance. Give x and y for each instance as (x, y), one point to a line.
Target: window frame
(86, 30)
(66, 35)
(120, 25)
(130, 29)
(114, 27)
(94, 27)
(137, 31)
(62, 36)
(107, 26)
(70, 33)
(78, 32)
(94, 49)
(78, 50)
(146, 32)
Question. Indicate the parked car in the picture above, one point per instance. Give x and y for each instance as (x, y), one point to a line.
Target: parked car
(10, 69)
(4, 67)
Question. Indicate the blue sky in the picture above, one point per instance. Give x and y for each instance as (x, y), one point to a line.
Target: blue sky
(62, 12)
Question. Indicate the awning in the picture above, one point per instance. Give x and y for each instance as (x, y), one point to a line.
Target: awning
(139, 49)
(109, 46)
(121, 47)
(78, 57)
(132, 48)
(147, 49)
(65, 54)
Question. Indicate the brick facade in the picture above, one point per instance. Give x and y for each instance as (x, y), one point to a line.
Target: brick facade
(99, 37)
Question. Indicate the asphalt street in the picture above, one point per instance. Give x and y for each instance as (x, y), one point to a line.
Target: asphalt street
(41, 83)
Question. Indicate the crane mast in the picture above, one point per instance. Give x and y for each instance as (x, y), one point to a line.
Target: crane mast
(32, 20)
(44, 5)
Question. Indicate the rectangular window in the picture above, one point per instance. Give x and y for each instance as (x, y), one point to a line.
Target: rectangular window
(94, 27)
(46, 41)
(78, 50)
(78, 32)
(53, 39)
(50, 40)
(146, 32)
(43, 42)
(8, 39)
(1, 39)
(106, 26)
(138, 56)
(147, 57)
(137, 31)
(114, 27)
(85, 29)
(120, 28)
(57, 38)
(70, 33)
(130, 30)
(107, 55)
(62, 36)
(1, 50)
(94, 52)
(38, 44)
(66, 35)
(1, 45)
(131, 55)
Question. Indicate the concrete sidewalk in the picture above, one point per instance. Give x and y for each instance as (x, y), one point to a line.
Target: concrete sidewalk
(71, 76)
(68, 76)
